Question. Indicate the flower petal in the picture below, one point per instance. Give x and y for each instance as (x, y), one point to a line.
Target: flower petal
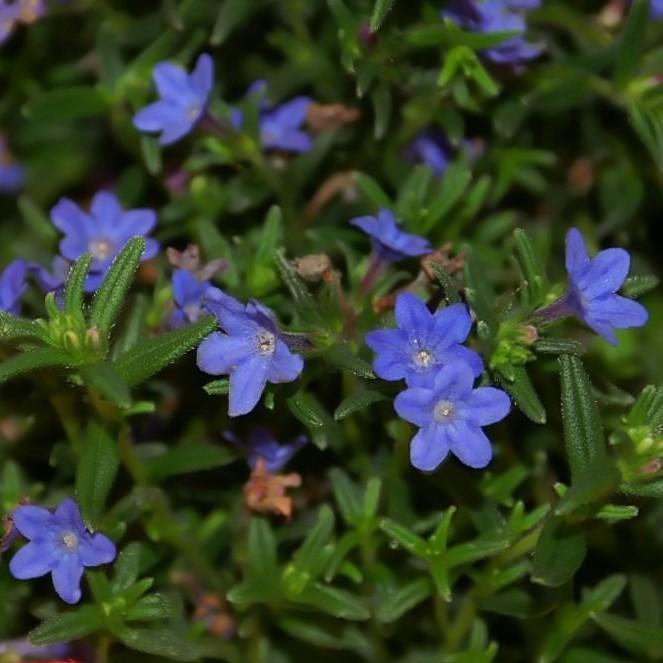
(171, 80)
(577, 257)
(487, 405)
(66, 576)
(68, 515)
(69, 218)
(96, 549)
(461, 353)
(137, 222)
(155, 116)
(429, 447)
(106, 212)
(285, 366)
(453, 381)
(33, 560)
(469, 444)
(219, 354)
(202, 77)
(230, 313)
(415, 405)
(173, 132)
(606, 273)
(412, 315)
(389, 345)
(247, 382)
(31, 520)
(451, 325)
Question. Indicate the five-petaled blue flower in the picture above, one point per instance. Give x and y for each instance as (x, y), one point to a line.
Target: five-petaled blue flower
(280, 126)
(422, 343)
(389, 242)
(251, 351)
(593, 283)
(493, 16)
(262, 444)
(430, 147)
(59, 544)
(102, 233)
(450, 415)
(12, 286)
(184, 99)
(12, 174)
(188, 292)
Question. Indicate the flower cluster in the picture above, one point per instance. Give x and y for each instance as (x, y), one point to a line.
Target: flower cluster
(426, 350)
(495, 16)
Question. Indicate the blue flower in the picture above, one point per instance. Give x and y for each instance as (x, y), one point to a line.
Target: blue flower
(431, 148)
(592, 287)
(450, 415)
(656, 9)
(280, 126)
(12, 286)
(389, 242)
(422, 343)
(494, 16)
(12, 174)
(59, 544)
(262, 444)
(53, 280)
(183, 102)
(15, 11)
(252, 350)
(188, 294)
(103, 232)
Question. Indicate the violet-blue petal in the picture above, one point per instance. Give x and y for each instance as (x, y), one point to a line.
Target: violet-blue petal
(577, 257)
(455, 380)
(390, 360)
(219, 354)
(96, 549)
(32, 561)
(69, 218)
(411, 312)
(31, 520)
(605, 274)
(487, 405)
(169, 80)
(429, 447)
(415, 405)
(202, 76)
(67, 574)
(461, 353)
(228, 311)
(469, 444)
(247, 382)
(285, 366)
(452, 324)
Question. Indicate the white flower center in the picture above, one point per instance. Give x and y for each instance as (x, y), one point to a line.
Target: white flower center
(423, 358)
(70, 541)
(193, 112)
(101, 249)
(444, 410)
(266, 342)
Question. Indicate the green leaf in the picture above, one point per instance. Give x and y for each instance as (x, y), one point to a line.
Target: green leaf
(308, 556)
(305, 306)
(588, 488)
(271, 236)
(96, 472)
(559, 553)
(403, 600)
(310, 412)
(479, 292)
(446, 282)
(151, 607)
(160, 642)
(412, 193)
(532, 268)
(261, 561)
(151, 150)
(112, 293)
(340, 356)
(371, 498)
(632, 43)
(347, 496)
(404, 537)
(33, 359)
(636, 286)
(67, 103)
(639, 639)
(132, 329)
(13, 327)
(67, 626)
(371, 190)
(108, 382)
(357, 401)
(644, 597)
(472, 551)
(232, 14)
(73, 289)
(322, 636)
(558, 346)
(524, 395)
(153, 355)
(126, 568)
(380, 10)
(382, 107)
(646, 116)
(336, 602)
(35, 219)
(188, 458)
(219, 387)
(583, 430)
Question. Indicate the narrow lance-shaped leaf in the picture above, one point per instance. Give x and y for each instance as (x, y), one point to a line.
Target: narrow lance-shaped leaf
(96, 472)
(33, 359)
(532, 267)
(112, 293)
(403, 600)
(148, 358)
(67, 626)
(13, 327)
(73, 289)
(103, 377)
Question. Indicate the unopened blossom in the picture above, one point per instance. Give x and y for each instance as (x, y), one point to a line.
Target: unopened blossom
(12, 174)
(183, 103)
(450, 415)
(431, 148)
(12, 286)
(388, 240)
(423, 342)
(188, 294)
(591, 294)
(261, 443)
(103, 232)
(265, 492)
(251, 350)
(59, 544)
(495, 16)
(281, 125)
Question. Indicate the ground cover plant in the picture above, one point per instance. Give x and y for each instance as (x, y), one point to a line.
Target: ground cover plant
(331, 328)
